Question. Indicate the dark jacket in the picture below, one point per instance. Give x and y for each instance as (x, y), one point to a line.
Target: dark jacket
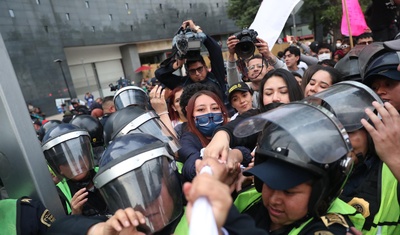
(235, 224)
(216, 77)
(248, 142)
(190, 152)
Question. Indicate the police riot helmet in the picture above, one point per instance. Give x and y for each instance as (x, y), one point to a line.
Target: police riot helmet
(93, 126)
(131, 95)
(300, 143)
(68, 151)
(139, 171)
(47, 126)
(348, 65)
(134, 119)
(383, 65)
(347, 101)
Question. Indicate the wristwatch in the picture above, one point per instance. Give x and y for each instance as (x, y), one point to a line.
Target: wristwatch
(197, 28)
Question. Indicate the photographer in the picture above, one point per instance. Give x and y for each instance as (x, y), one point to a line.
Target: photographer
(197, 71)
(263, 49)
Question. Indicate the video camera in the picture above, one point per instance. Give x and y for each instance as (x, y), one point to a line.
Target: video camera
(187, 43)
(122, 82)
(245, 47)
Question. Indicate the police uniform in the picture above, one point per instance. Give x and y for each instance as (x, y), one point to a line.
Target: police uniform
(331, 223)
(235, 224)
(24, 216)
(374, 192)
(95, 204)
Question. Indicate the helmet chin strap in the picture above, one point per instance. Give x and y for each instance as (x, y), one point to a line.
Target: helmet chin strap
(86, 181)
(360, 157)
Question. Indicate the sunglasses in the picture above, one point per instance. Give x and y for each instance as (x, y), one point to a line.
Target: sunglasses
(205, 119)
(196, 70)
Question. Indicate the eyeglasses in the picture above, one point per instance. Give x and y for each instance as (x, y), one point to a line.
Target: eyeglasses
(205, 119)
(258, 66)
(196, 70)
(365, 43)
(344, 46)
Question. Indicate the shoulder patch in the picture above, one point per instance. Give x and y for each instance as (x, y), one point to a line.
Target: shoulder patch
(47, 218)
(333, 218)
(323, 233)
(361, 206)
(26, 200)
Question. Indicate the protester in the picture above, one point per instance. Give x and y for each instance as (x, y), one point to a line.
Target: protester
(240, 96)
(292, 59)
(205, 112)
(319, 78)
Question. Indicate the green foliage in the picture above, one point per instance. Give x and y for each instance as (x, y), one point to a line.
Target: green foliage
(327, 12)
(243, 12)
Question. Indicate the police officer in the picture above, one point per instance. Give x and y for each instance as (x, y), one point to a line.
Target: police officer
(134, 119)
(301, 163)
(371, 188)
(139, 180)
(379, 66)
(24, 216)
(93, 126)
(131, 96)
(68, 151)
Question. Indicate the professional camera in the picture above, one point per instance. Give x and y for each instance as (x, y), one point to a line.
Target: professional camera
(122, 82)
(245, 47)
(187, 43)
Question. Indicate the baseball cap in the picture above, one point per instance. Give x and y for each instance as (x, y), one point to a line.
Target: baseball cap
(390, 73)
(279, 175)
(240, 86)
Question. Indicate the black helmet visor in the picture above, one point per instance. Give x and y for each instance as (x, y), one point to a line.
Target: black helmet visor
(150, 123)
(348, 101)
(69, 155)
(148, 183)
(293, 126)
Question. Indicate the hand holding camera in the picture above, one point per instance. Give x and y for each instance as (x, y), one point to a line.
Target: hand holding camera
(231, 43)
(186, 41)
(246, 46)
(191, 25)
(263, 48)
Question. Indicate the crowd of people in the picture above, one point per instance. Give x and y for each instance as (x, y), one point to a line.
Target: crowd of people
(296, 145)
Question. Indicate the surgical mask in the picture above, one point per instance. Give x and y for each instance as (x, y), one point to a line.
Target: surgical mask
(324, 56)
(207, 123)
(338, 45)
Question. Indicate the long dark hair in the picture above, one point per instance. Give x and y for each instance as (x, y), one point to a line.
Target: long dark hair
(294, 90)
(190, 108)
(335, 75)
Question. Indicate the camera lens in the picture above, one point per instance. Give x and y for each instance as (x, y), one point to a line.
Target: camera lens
(245, 49)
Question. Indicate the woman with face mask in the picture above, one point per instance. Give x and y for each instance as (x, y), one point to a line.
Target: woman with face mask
(277, 87)
(205, 112)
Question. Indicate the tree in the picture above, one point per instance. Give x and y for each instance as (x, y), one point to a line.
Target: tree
(243, 12)
(327, 13)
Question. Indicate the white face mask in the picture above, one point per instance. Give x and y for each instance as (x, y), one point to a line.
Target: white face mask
(324, 56)
(338, 45)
